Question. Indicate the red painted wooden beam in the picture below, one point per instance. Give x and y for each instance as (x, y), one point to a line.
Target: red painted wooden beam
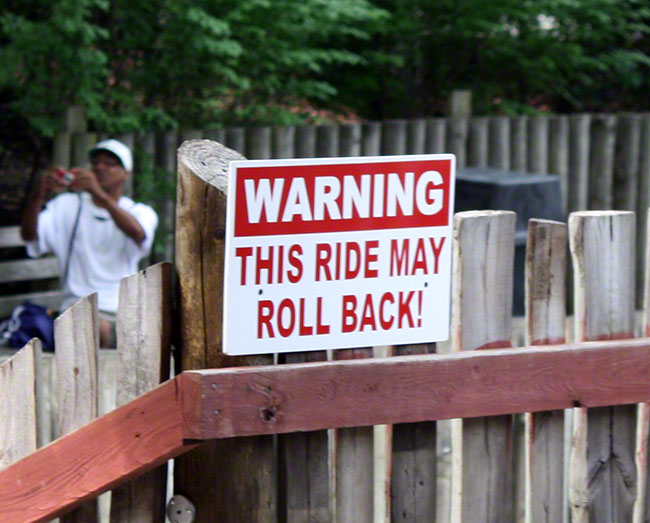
(109, 451)
(290, 398)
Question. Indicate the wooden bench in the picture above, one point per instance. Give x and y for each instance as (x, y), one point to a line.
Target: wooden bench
(23, 278)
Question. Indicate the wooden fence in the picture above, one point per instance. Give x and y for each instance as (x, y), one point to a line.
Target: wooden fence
(312, 474)
(603, 160)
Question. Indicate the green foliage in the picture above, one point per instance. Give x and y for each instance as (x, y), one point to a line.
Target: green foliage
(49, 59)
(570, 55)
(160, 64)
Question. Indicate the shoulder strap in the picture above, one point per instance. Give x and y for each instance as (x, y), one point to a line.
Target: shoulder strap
(74, 232)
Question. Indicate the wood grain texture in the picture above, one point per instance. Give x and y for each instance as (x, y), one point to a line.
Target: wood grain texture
(545, 324)
(76, 337)
(642, 501)
(457, 131)
(303, 466)
(603, 482)
(436, 135)
(24, 270)
(278, 399)
(519, 143)
(143, 344)
(18, 409)
(10, 237)
(538, 144)
(414, 461)
(482, 286)
(499, 151)
(249, 493)
(353, 457)
(558, 154)
(478, 142)
(601, 161)
(102, 455)
(579, 126)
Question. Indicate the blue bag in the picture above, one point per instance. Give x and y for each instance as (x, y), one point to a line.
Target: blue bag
(29, 321)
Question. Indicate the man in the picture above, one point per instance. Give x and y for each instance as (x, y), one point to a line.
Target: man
(97, 234)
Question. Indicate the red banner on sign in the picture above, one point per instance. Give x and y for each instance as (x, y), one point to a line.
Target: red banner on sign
(294, 199)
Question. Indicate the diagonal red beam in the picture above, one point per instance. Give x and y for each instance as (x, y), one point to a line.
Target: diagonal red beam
(245, 401)
(109, 451)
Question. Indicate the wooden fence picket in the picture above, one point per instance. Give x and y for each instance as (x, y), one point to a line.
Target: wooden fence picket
(143, 344)
(457, 131)
(371, 138)
(545, 325)
(481, 318)
(416, 136)
(603, 483)
(414, 461)
(643, 202)
(258, 143)
(283, 141)
(601, 162)
(436, 135)
(305, 138)
(236, 139)
(538, 144)
(76, 336)
(394, 137)
(327, 141)
(519, 143)
(578, 193)
(499, 141)
(558, 153)
(350, 140)
(19, 382)
(643, 412)
(478, 142)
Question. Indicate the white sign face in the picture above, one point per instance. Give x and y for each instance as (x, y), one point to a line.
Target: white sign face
(335, 253)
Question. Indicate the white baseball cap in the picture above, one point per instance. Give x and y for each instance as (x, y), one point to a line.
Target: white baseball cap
(118, 149)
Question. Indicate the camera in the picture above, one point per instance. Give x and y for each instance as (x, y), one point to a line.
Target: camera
(65, 177)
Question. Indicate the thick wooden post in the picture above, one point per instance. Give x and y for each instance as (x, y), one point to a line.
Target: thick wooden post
(603, 482)
(499, 151)
(228, 480)
(545, 316)
(481, 319)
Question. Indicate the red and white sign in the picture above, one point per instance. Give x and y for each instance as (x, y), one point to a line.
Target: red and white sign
(335, 253)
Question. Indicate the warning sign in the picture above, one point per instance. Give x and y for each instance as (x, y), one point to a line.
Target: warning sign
(337, 253)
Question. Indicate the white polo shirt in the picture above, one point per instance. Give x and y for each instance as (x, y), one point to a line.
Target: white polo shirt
(101, 253)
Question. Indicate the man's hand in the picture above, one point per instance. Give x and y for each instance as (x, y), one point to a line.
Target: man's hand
(50, 183)
(86, 180)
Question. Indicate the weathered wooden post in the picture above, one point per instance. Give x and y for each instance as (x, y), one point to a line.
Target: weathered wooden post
(545, 316)
(481, 318)
(230, 479)
(603, 479)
